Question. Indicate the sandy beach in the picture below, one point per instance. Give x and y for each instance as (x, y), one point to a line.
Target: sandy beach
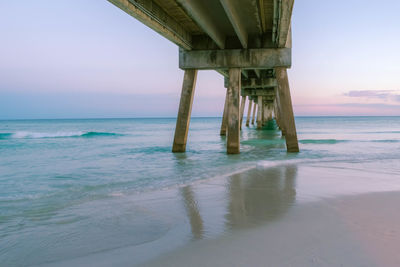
(284, 215)
(361, 230)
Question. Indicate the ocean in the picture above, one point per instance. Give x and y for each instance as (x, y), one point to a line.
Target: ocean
(79, 187)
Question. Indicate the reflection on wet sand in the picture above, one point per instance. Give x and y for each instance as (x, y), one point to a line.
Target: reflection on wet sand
(192, 211)
(260, 195)
(254, 197)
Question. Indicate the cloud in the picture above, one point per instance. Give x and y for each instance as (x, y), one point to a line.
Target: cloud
(386, 95)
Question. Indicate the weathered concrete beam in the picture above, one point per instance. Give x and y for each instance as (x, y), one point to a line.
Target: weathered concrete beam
(245, 74)
(262, 15)
(198, 11)
(235, 19)
(285, 16)
(258, 92)
(153, 16)
(268, 100)
(223, 73)
(265, 58)
(259, 83)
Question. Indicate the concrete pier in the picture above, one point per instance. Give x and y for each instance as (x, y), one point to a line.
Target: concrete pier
(249, 113)
(292, 144)
(242, 106)
(233, 140)
(246, 41)
(185, 109)
(254, 113)
(224, 123)
(259, 113)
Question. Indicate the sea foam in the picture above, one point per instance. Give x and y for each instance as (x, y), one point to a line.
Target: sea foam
(36, 135)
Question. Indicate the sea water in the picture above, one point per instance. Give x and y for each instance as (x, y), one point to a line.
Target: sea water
(60, 180)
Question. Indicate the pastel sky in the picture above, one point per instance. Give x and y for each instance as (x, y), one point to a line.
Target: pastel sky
(78, 59)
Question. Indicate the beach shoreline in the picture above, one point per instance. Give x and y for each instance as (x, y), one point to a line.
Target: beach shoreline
(285, 215)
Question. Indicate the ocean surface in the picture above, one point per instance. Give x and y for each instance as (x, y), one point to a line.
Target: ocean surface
(64, 183)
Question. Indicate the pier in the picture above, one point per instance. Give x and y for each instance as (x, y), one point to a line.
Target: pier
(247, 41)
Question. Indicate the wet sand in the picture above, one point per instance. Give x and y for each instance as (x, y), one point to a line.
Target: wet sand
(361, 230)
(283, 215)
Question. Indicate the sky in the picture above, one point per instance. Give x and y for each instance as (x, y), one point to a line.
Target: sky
(89, 59)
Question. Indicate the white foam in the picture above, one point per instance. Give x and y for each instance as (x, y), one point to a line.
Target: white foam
(23, 134)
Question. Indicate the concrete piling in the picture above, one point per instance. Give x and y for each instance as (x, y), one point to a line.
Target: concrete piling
(249, 113)
(224, 123)
(259, 112)
(185, 109)
(285, 100)
(233, 140)
(242, 106)
(254, 113)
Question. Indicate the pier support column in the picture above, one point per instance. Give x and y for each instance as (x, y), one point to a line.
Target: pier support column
(278, 112)
(185, 109)
(254, 113)
(268, 112)
(249, 113)
(265, 114)
(224, 123)
(242, 105)
(286, 107)
(259, 113)
(233, 142)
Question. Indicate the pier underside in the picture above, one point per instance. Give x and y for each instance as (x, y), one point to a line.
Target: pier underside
(246, 41)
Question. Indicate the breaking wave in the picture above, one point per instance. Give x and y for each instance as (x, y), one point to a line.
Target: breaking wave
(36, 135)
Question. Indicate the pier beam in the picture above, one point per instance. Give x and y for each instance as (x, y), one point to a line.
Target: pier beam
(233, 142)
(287, 117)
(224, 123)
(254, 113)
(259, 112)
(185, 109)
(242, 105)
(249, 113)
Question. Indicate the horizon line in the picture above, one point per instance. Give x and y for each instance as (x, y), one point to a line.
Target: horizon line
(194, 117)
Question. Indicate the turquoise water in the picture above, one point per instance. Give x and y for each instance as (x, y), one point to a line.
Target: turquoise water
(60, 178)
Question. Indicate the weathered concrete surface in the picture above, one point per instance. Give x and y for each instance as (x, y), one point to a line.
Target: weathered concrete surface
(268, 112)
(223, 24)
(259, 83)
(167, 26)
(278, 113)
(224, 123)
(259, 112)
(233, 12)
(242, 105)
(233, 142)
(284, 33)
(259, 92)
(249, 113)
(254, 113)
(287, 116)
(185, 109)
(235, 58)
